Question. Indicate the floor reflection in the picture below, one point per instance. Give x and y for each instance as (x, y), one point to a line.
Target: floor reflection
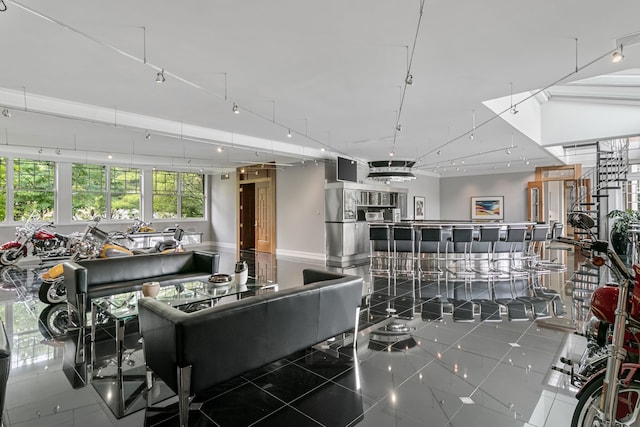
(420, 384)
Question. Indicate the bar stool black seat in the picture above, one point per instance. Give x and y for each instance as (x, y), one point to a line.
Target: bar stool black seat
(379, 248)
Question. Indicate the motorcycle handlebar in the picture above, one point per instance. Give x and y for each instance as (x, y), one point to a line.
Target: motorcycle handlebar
(603, 247)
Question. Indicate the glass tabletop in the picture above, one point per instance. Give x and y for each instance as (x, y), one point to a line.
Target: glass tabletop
(125, 305)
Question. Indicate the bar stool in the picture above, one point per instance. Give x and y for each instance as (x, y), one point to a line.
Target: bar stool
(488, 236)
(535, 249)
(404, 250)
(379, 249)
(429, 245)
(485, 244)
(554, 265)
(513, 243)
(461, 237)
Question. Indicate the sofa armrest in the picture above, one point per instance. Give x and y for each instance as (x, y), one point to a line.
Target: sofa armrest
(310, 275)
(75, 281)
(157, 323)
(207, 261)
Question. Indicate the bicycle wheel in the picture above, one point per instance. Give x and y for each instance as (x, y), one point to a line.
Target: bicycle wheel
(587, 413)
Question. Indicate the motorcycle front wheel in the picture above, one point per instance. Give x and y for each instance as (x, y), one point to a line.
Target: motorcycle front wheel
(54, 321)
(11, 256)
(52, 291)
(587, 412)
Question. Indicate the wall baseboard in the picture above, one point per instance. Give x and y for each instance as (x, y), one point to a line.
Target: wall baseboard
(280, 253)
(283, 253)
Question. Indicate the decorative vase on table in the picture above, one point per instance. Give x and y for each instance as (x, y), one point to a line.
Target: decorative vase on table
(242, 272)
(151, 289)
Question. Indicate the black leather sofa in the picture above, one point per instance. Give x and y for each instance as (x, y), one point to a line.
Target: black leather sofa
(192, 352)
(5, 366)
(88, 279)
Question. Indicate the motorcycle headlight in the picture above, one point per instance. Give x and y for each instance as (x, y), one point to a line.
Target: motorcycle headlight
(590, 327)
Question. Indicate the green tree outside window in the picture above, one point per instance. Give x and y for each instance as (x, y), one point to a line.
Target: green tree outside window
(33, 189)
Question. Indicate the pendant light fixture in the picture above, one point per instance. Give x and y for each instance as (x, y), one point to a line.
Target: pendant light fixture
(391, 171)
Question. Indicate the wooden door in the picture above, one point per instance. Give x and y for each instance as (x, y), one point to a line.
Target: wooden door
(256, 208)
(264, 217)
(247, 216)
(535, 201)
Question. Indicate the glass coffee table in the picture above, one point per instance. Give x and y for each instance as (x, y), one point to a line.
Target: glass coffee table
(122, 390)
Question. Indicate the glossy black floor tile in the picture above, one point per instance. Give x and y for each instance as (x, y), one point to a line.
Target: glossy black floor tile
(447, 373)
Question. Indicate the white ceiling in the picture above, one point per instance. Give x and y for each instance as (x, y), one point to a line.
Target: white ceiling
(78, 77)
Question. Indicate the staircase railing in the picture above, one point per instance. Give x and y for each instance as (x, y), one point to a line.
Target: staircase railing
(593, 188)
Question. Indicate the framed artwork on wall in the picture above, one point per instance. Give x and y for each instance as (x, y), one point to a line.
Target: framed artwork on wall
(418, 207)
(491, 207)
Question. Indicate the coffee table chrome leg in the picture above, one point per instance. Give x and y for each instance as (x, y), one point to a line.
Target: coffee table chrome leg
(119, 343)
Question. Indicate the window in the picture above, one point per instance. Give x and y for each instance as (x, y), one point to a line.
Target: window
(34, 189)
(192, 195)
(3, 188)
(165, 194)
(89, 189)
(125, 193)
(178, 193)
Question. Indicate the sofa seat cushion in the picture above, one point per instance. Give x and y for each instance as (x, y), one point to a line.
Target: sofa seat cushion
(112, 288)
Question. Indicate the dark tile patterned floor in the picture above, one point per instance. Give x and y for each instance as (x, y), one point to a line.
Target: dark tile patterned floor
(502, 368)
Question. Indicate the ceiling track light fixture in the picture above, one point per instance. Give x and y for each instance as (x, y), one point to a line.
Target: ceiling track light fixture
(109, 156)
(6, 113)
(513, 108)
(289, 134)
(617, 56)
(409, 79)
(147, 135)
(473, 124)
(399, 127)
(160, 76)
(219, 149)
(235, 109)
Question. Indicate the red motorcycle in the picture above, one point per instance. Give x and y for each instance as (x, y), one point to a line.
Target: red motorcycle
(36, 238)
(611, 396)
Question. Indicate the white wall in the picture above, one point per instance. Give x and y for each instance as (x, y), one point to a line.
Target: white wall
(427, 187)
(300, 211)
(456, 193)
(223, 211)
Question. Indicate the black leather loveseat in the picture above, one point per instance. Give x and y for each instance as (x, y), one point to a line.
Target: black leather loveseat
(96, 278)
(192, 352)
